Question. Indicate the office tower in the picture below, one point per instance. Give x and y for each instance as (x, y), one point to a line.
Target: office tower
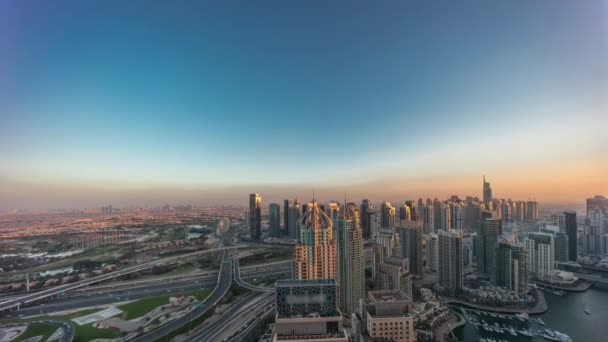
(597, 202)
(562, 247)
(472, 213)
(446, 217)
(316, 250)
(404, 214)
(387, 316)
(604, 244)
(332, 209)
(487, 192)
(385, 245)
(255, 216)
(451, 268)
(286, 205)
(432, 253)
(531, 210)
(350, 259)
(427, 218)
(412, 209)
(387, 217)
(468, 253)
(410, 239)
(488, 230)
(511, 270)
(540, 255)
(274, 220)
(247, 221)
(306, 310)
(437, 207)
(520, 211)
(419, 208)
(372, 223)
(457, 212)
(594, 227)
(293, 218)
(365, 206)
(393, 274)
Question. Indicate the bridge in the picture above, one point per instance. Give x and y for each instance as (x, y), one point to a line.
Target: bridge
(241, 282)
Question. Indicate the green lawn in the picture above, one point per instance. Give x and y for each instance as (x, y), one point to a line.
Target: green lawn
(143, 306)
(37, 330)
(87, 332)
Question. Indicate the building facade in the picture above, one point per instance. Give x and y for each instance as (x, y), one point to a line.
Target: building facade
(315, 252)
(451, 268)
(255, 216)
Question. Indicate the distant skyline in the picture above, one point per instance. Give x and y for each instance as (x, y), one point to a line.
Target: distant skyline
(193, 102)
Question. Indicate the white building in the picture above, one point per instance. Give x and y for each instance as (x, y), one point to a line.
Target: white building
(540, 257)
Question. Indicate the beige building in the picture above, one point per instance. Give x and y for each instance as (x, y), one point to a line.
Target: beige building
(315, 253)
(386, 316)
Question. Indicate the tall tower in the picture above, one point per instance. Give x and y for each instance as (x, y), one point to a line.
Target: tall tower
(387, 218)
(511, 267)
(315, 250)
(487, 192)
(286, 205)
(365, 206)
(255, 216)
(571, 231)
(488, 230)
(410, 241)
(350, 259)
(451, 269)
(274, 218)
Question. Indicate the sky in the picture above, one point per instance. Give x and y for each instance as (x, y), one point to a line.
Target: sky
(144, 102)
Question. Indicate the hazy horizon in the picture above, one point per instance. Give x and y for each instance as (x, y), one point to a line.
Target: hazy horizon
(134, 103)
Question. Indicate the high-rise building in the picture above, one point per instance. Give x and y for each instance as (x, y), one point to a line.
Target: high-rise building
(315, 252)
(531, 211)
(372, 223)
(597, 202)
(511, 270)
(595, 227)
(446, 217)
(387, 316)
(274, 220)
(410, 240)
(365, 206)
(413, 210)
(432, 253)
(487, 192)
(427, 219)
(451, 268)
(387, 217)
(393, 274)
(386, 245)
(255, 216)
(286, 205)
(540, 255)
(488, 230)
(350, 258)
(293, 218)
(331, 209)
(437, 207)
(306, 310)
(457, 219)
(404, 214)
(562, 247)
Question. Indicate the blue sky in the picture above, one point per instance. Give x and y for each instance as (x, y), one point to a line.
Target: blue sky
(165, 94)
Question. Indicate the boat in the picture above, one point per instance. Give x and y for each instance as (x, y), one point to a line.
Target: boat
(522, 316)
(539, 320)
(587, 311)
(563, 337)
(526, 332)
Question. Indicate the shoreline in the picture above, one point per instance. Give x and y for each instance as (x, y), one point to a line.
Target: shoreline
(583, 286)
(539, 307)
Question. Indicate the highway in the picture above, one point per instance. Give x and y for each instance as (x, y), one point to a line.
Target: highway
(55, 291)
(67, 330)
(239, 280)
(223, 284)
(232, 319)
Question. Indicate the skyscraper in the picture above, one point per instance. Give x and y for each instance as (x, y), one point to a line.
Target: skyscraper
(451, 268)
(350, 259)
(571, 231)
(315, 252)
(387, 218)
(365, 206)
(597, 202)
(487, 192)
(393, 274)
(371, 222)
(331, 209)
(286, 205)
(540, 255)
(293, 218)
(432, 252)
(562, 247)
(488, 230)
(511, 270)
(413, 210)
(410, 240)
(255, 216)
(274, 218)
(531, 210)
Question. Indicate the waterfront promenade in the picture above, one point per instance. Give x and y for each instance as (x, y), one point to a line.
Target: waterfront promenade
(540, 305)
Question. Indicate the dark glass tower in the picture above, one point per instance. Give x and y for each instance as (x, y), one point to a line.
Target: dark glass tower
(571, 231)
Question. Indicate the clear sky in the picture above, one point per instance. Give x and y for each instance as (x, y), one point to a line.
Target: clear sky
(149, 101)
